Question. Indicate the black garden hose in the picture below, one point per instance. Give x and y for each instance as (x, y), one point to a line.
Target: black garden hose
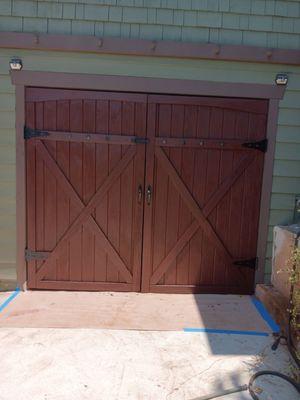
(274, 373)
(222, 393)
(289, 343)
(250, 386)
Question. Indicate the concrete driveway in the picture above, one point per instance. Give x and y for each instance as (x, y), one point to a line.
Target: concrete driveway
(77, 364)
(48, 363)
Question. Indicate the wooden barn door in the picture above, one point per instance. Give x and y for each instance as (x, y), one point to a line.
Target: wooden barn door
(142, 192)
(203, 182)
(85, 177)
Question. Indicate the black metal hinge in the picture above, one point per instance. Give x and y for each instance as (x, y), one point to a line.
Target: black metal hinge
(261, 145)
(36, 255)
(140, 140)
(250, 263)
(34, 133)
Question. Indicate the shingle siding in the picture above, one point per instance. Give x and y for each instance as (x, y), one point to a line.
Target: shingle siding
(50, 10)
(24, 8)
(5, 7)
(272, 23)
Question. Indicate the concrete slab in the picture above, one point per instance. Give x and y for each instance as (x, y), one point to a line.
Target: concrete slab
(136, 311)
(94, 364)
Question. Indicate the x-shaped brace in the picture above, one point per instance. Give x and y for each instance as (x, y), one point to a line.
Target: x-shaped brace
(85, 211)
(199, 214)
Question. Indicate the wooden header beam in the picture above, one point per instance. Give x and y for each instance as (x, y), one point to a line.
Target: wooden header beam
(145, 85)
(141, 47)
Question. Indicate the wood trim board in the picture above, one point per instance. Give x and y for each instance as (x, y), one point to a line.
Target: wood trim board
(20, 188)
(266, 189)
(145, 85)
(142, 47)
(24, 79)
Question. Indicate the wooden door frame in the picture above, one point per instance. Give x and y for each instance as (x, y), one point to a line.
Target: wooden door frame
(23, 79)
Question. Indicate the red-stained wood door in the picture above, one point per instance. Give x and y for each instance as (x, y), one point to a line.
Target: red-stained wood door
(130, 192)
(85, 177)
(204, 185)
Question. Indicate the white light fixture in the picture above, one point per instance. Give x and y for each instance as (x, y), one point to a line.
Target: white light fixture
(281, 79)
(15, 64)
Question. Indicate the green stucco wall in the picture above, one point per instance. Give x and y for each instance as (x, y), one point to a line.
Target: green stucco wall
(264, 23)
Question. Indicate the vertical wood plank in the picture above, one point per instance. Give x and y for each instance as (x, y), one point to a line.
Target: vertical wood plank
(102, 160)
(114, 196)
(223, 208)
(216, 132)
(127, 191)
(89, 187)
(244, 249)
(160, 193)
(30, 194)
(149, 208)
(187, 175)
(236, 208)
(63, 209)
(173, 196)
(198, 249)
(211, 183)
(40, 185)
(140, 126)
(50, 199)
(76, 180)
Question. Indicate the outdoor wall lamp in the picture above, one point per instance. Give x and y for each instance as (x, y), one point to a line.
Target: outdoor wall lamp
(15, 64)
(281, 79)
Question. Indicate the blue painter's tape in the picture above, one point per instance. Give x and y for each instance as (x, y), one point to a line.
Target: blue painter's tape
(265, 315)
(10, 298)
(225, 331)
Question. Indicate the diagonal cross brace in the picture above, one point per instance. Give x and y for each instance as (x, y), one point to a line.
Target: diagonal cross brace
(200, 215)
(84, 216)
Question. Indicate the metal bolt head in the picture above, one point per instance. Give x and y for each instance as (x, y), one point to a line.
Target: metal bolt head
(153, 45)
(217, 50)
(269, 53)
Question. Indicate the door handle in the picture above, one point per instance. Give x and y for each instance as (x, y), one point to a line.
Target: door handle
(140, 194)
(149, 195)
